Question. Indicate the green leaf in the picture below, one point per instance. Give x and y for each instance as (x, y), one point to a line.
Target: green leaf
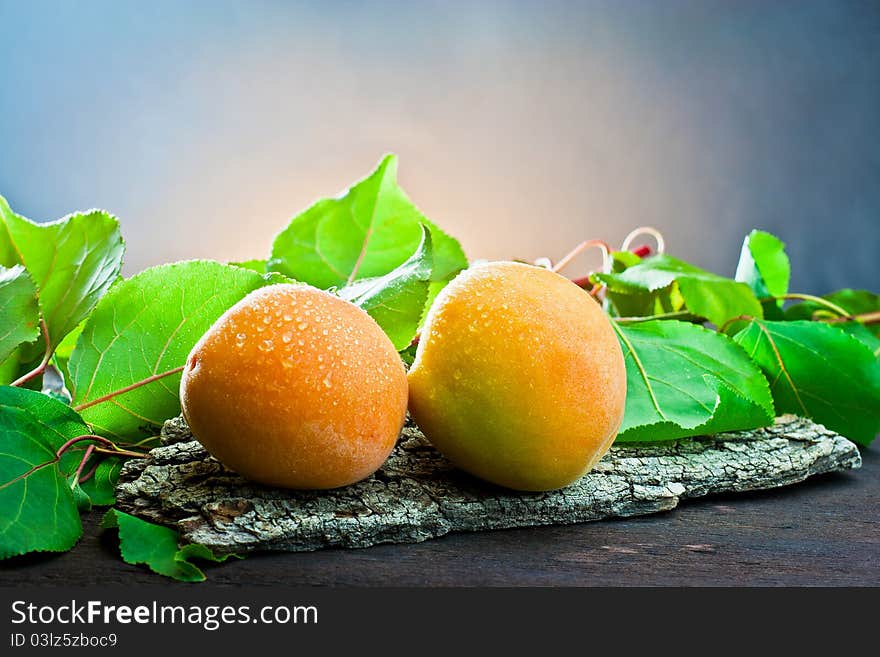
(763, 265)
(142, 542)
(397, 300)
(19, 310)
(705, 294)
(101, 488)
(818, 371)
(39, 512)
(73, 261)
(365, 233)
(685, 380)
(863, 334)
(258, 266)
(64, 350)
(10, 369)
(855, 302)
(147, 325)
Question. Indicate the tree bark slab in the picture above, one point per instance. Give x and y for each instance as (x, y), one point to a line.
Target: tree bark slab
(419, 495)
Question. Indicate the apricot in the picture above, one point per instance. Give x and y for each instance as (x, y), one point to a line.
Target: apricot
(518, 378)
(295, 387)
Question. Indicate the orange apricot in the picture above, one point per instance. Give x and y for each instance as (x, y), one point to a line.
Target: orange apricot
(518, 378)
(295, 387)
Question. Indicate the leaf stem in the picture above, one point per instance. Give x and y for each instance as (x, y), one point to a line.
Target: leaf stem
(82, 464)
(122, 391)
(47, 356)
(679, 314)
(864, 318)
(118, 451)
(88, 436)
(833, 307)
(738, 318)
(580, 248)
(641, 230)
(91, 473)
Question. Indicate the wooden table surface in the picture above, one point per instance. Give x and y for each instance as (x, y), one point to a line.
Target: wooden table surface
(825, 531)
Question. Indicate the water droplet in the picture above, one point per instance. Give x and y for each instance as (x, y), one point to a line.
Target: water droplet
(267, 319)
(302, 326)
(266, 345)
(320, 358)
(327, 382)
(457, 374)
(300, 343)
(286, 338)
(325, 332)
(287, 317)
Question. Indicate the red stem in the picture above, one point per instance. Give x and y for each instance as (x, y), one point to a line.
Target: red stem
(91, 473)
(82, 464)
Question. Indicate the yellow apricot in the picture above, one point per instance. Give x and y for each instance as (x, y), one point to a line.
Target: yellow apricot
(518, 378)
(295, 387)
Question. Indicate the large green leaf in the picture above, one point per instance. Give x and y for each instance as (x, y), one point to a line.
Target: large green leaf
(142, 542)
(818, 371)
(763, 265)
(366, 232)
(73, 261)
(397, 300)
(37, 507)
(705, 294)
(19, 310)
(685, 380)
(147, 325)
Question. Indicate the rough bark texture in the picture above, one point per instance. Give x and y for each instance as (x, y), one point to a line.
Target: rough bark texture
(418, 495)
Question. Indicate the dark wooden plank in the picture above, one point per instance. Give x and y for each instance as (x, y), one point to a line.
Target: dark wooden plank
(825, 531)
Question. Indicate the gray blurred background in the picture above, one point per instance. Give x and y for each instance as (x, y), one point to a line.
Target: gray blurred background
(522, 127)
